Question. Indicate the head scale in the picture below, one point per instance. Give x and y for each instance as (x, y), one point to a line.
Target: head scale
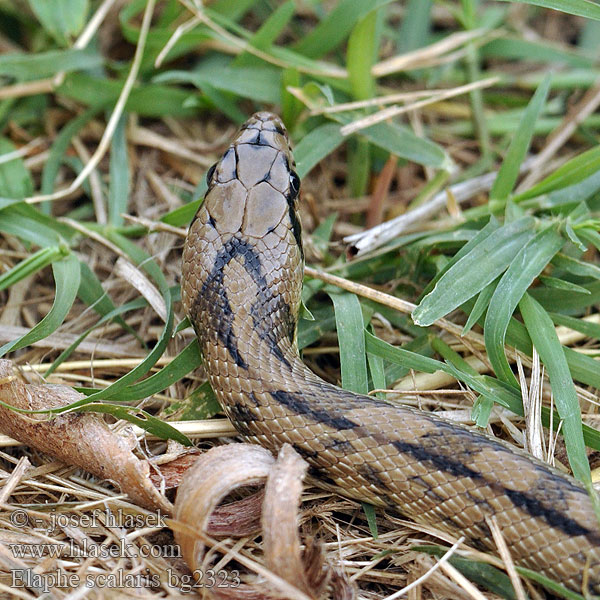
(254, 189)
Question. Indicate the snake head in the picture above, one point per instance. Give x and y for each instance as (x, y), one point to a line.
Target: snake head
(254, 189)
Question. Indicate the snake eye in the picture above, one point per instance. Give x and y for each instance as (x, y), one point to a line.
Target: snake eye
(210, 173)
(294, 184)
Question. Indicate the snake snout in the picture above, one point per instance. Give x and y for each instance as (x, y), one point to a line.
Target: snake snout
(253, 188)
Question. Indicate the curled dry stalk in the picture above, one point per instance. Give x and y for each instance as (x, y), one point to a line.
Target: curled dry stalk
(292, 572)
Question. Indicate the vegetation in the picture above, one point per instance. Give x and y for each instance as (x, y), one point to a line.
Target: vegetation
(479, 115)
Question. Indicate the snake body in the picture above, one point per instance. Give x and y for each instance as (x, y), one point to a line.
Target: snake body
(241, 284)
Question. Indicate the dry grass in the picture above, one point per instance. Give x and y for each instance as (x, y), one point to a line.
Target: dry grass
(78, 522)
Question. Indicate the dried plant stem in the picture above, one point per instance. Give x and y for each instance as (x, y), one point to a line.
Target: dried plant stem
(425, 576)
(202, 429)
(114, 118)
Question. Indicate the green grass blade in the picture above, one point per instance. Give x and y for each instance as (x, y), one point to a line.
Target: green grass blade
(576, 267)
(583, 368)
(32, 264)
(336, 26)
(572, 172)
(551, 585)
(92, 293)
(234, 9)
(484, 574)
(62, 19)
(394, 371)
(415, 27)
(316, 145)
(500, 392)
(138, 417)
(147, 100)
(452, 357)
(258, 83)
(95, 296)
(371, 518)
(577, 192)
(359, 166)
(350, 330)
(489, 387)
(114, 314)
(310, 331)
(291, 107)
(26, 67)
(66, 276)
(474, 271)
(119, 182)
(515, 47)
(586, 327)
(225, 101)
(541, 329)
(14, 222)
(268, 32)
(591, 436)
(60, 147)
(525, 267)
(561, 284)
(402, 142)
(591, 236)
(185, 362)
(141, 258)
(482, 234)
(377, 371)
(360, 56)
(15, 178)
(557, 300)
(481, 304)
(581, 8)
(200, 404)
(511, 165)
(406, 358)
(491, 390)
(183, 214)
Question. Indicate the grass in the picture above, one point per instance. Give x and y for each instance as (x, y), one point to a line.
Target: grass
(110, 117)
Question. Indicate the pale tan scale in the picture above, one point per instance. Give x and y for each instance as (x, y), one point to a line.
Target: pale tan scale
(249, 135)
(241, 284)
(265, 208)
(254, 163)
(225, 204)
(279, 177)
(226, 169)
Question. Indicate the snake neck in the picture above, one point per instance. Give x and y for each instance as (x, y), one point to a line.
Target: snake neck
(243, 306)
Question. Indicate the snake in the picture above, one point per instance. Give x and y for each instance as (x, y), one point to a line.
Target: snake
(241, 282)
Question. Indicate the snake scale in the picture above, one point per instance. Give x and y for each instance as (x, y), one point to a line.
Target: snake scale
(241, 283)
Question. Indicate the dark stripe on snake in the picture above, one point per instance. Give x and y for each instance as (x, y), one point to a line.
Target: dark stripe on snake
(243, 416)
(298, 405)
(296, 226)
(529, 504)
(426, 488)
(309, 455)
(216, 292)
(212, 292)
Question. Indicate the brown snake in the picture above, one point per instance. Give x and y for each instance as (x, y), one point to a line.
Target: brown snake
(241, 284)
